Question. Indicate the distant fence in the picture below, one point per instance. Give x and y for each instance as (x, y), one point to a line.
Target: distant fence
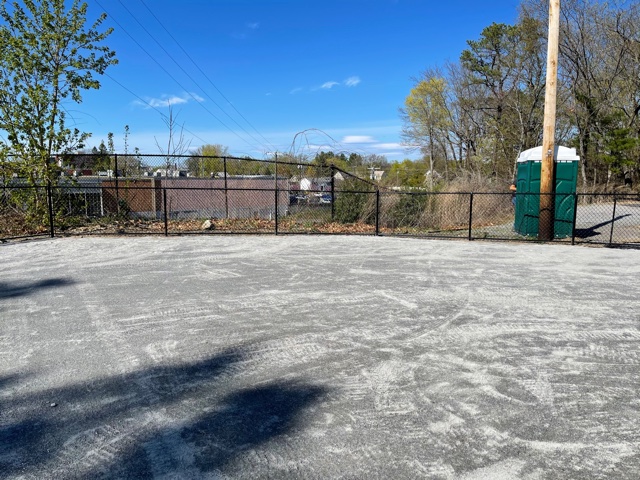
(294, 199)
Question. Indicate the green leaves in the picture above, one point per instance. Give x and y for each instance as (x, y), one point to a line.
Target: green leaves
(49, 57)
(426, 106)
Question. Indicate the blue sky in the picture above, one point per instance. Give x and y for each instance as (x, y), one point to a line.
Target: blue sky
(251, 74)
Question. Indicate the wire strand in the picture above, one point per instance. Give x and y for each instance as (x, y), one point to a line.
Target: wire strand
(187, 73)
(173, 78)
(205, 75)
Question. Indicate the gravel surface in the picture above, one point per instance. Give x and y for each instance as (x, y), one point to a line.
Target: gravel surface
(318, 357)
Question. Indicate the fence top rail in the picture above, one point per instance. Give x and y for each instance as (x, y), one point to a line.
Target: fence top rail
(13, 156)
(337, 169)
(610, 194)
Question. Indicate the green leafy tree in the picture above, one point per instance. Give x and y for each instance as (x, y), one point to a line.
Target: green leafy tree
(102, 158)
(619, 148)
(48, 58)
(408, 173)
(492, 66)
(323, 161)
(355, 160)
(289, 166)
(207, 160)
(427, 118)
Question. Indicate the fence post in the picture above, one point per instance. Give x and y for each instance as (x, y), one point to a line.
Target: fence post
(52, 230)
(377, 211)
(613, 218)
(275, 176)
(226, 197)
(575, 217)
(164, 203)
(470, 215)
(333, 188)
(115, 172)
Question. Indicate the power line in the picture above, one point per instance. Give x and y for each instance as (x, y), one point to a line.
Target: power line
(186, 73)
(162, 114)
(204, 74)
(172, 77)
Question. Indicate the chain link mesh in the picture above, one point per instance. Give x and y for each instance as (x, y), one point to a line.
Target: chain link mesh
(23, 211)
(607, 218)
(156, 194)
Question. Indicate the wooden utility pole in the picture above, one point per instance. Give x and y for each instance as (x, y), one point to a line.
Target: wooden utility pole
(547, 184)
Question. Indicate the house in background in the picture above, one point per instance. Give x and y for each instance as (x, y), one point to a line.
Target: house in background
(319, 184)
(376, 175)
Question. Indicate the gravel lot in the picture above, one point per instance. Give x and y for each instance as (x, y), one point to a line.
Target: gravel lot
(318, 357)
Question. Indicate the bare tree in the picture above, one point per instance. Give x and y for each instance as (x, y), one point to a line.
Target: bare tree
(176, 144)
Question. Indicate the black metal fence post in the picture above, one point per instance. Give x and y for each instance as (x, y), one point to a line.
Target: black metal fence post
(377, 211)
(275, 189)
(166, 220)
(52, 227)
(115, 172)
(613, 218)
(226, 191)
(575, 217)
(470, 215)
(333, 189)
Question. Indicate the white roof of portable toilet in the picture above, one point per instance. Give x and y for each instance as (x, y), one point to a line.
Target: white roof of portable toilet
(562, 154)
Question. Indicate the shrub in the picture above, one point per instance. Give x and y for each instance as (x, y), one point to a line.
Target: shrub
(353, 203)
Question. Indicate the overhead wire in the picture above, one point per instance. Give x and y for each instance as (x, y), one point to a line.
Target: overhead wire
(258, 142)
(162, 114)
(204, 74)
(172, 77)
(188, 75)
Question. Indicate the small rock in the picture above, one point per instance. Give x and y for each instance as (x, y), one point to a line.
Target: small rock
(207, 225)
(54, 404)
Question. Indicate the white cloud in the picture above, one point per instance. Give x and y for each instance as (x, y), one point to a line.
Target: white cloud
(328, 85)
(358, 139)
(388, 146)
(165, 102)
(169, 100)
(296, 90)
(385, 134)
(352, 81)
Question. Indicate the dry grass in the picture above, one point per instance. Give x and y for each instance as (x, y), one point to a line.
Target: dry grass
(248, 225)
(447, 209)
(15, 224)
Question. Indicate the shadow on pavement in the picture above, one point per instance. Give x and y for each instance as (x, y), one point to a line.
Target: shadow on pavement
(591, 231)
(8, 290)
(252, 417)
(160, 421)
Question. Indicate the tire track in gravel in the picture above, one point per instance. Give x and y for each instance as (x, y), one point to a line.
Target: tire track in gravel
(100, 448)
(95, 451)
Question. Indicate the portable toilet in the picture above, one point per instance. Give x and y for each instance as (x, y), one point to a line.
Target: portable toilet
(528, 191)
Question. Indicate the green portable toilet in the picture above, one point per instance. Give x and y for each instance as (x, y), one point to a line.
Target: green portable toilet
(528, 191)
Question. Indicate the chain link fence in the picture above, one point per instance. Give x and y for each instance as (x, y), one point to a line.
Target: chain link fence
(154, 194)
(608, 219)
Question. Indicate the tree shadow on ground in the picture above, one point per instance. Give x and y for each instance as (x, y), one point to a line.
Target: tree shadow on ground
(592, 231)
(166, 421)
(251, 417)
(8, 290)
